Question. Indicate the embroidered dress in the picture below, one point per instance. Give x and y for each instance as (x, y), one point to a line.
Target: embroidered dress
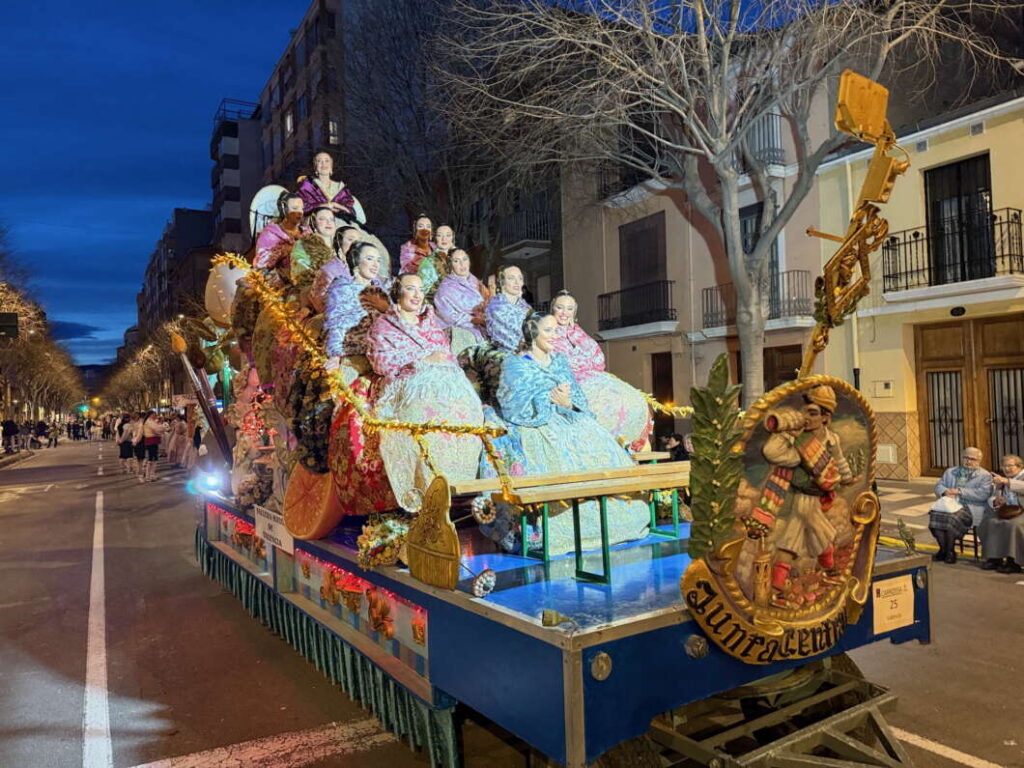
(1005, 538)
(313, 197)
(309, 254)
(335, 269)
(505, 322)
(420, 391)
(618, 407)
(975, 487)
(432, 270)
(346, 321)
(545, 437)
(455, 300)
(273, 247)
(353, 456)
(412, 253)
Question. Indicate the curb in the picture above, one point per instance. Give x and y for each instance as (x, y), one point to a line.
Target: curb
(17, 458)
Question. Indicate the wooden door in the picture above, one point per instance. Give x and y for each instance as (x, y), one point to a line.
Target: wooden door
(945, 392)
(999, 363)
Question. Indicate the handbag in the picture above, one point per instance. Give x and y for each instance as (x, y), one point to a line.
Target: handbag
(1008, 511)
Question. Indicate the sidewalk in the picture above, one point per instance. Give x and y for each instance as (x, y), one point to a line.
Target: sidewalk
(7, 460)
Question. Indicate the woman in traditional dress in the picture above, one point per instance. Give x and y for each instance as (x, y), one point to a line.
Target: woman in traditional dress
(353, 455)
(551, 429)
(419, 247)
(435, 267)
(460, 301)
(319, 190)
(335, 269)
(421, 383)
(351, 308)
(618, 407)
(314, 250)
(1002, 528)
(507, 310)
(276, 240)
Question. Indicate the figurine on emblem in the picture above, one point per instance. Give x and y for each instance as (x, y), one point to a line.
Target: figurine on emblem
(807, 468)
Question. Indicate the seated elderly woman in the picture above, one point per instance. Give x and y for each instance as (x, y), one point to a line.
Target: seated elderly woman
(1002, 529)
(963, 494)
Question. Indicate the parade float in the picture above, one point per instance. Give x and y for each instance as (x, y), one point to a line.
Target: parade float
(717, 634)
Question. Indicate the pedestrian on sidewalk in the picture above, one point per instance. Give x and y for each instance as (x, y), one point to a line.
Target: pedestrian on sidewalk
(1002, 528)
(10, 435)
(152, 430)
(138, 446)
(125, 432)
(963, 493)
(54, 432)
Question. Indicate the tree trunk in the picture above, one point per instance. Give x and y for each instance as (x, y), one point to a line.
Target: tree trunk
(750, 323)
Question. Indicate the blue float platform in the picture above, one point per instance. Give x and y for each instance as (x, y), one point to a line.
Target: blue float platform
(494, 655)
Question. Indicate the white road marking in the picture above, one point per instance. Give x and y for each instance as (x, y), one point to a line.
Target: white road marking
(99, 471)
(97, 751)
(47, 488)
(942, 750)
(288, 750)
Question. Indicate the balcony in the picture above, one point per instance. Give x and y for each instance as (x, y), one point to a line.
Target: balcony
(614, 179)
(954, 250)
(790, 295)
(639, 305)
(764, 141)
(525, 234)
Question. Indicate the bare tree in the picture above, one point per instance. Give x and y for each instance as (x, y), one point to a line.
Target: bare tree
(677, 92)
(402, 154)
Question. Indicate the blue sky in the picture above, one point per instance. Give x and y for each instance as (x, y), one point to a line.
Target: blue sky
(106, 114)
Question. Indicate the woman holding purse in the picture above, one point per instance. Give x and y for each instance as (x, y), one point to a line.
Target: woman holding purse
(1002, 528)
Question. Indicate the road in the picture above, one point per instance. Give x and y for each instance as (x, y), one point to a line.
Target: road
(181, 677)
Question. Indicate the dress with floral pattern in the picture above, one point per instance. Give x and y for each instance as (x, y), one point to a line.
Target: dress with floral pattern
(618, 407)
(419, 391)
(545, 437)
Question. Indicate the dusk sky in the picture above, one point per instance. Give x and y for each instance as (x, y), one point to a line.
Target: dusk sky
(107, 113)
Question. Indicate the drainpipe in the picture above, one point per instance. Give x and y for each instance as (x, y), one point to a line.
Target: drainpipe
(854, 322)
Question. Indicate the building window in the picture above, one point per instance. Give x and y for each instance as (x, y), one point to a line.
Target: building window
(289, 123)
(287, 78)
(329, 21)
(642, 251)
(314, 33)
(229, 161)
(275, 96)
(302, 108)
(300, 53)
(232, 194)
(334, 132)
(232, 226)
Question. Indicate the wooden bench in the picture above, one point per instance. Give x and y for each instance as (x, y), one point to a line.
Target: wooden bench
(535, 494)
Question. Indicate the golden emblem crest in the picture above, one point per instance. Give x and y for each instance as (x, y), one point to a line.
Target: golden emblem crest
(787, 565)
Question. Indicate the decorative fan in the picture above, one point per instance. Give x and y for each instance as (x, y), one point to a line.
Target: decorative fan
(263, 207)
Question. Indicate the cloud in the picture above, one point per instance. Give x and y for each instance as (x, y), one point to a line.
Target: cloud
(63, 330)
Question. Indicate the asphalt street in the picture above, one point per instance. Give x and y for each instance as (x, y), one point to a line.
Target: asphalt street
(190, 681)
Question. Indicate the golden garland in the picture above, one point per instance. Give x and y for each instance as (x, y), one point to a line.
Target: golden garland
(274, 301)
(678, 411)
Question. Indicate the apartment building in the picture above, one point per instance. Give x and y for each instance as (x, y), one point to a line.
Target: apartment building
(237, 174)
(939, 343)
(938, 346)
(302, 103)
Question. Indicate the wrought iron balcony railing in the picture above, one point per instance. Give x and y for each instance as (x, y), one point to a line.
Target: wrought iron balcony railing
(954, 250)
(648, 303)
(790, 294)
(526, 225)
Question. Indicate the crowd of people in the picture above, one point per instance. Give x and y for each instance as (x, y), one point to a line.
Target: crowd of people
(434, 343)
(969, 496)
(144, 437)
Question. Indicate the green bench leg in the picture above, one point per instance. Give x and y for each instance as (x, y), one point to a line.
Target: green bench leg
(606, 555)
(675, 516)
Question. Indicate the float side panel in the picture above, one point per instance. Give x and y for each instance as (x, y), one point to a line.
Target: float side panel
(651, 672)
(511, 678)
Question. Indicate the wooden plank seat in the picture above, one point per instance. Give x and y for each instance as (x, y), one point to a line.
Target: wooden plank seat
(535, 495)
